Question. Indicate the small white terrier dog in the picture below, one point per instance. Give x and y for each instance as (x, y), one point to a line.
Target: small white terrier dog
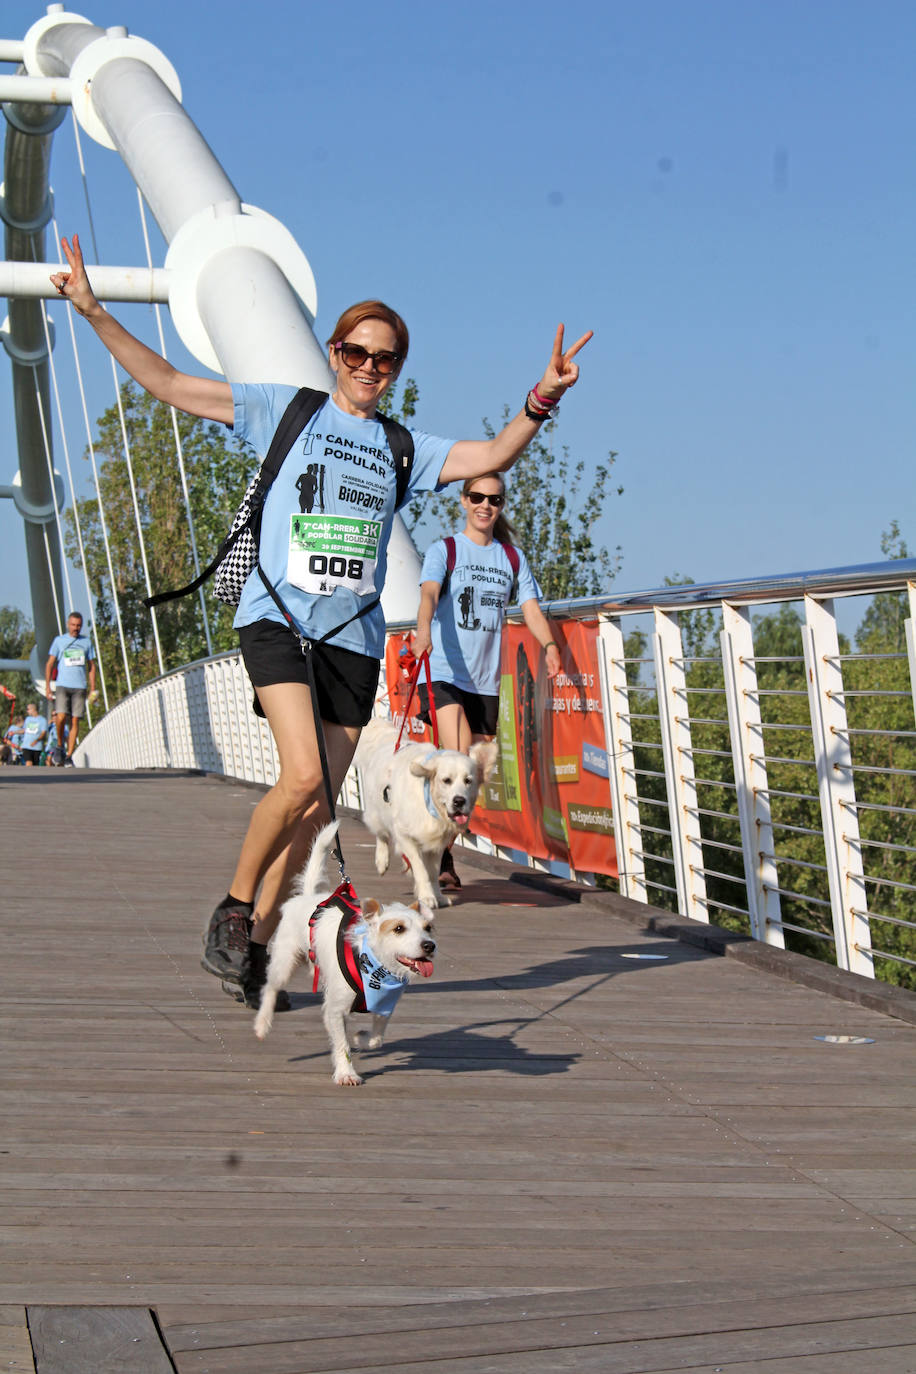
(416, 800)
(364, 959)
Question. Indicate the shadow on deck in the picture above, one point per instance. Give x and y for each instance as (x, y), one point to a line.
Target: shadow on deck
(565, 1158)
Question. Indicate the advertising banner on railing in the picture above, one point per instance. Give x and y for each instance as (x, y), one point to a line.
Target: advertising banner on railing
(550, 795)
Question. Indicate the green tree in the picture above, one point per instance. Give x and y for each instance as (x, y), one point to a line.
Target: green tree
(217, 469)
(554, 512)
(17, 639)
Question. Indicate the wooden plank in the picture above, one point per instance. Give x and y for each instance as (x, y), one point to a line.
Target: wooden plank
(589, 1343)
(525, 1323)
(15, 1345)
(97, 1340)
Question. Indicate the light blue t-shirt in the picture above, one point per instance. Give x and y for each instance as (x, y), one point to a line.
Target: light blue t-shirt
(327, 517)
(72, 654)
(33, 729)
(467, 628)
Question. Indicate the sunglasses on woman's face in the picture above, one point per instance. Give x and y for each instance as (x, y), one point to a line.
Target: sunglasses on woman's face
(354, 355)
(476, 498)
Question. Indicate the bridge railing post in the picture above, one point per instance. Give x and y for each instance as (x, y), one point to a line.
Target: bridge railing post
(618, 736)
(749, 760)
(836, 788)
(674, 719)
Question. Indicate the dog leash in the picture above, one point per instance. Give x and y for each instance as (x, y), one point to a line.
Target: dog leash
(422, 661)
(306, 644)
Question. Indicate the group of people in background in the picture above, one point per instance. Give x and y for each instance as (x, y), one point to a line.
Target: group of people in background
(34, 738)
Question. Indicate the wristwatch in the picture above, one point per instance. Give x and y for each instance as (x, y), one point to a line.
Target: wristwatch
(539, 416)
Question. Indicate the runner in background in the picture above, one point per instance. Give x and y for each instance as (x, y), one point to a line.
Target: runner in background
(73, 657)
(460, 621)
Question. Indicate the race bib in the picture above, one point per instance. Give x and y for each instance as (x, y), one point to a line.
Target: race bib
(331, 551)
(74, 658)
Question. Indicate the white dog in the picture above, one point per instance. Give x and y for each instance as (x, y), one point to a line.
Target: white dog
(365, 958)
(416, 801)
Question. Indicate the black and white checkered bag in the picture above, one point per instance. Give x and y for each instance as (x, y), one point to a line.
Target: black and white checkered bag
(242, 550)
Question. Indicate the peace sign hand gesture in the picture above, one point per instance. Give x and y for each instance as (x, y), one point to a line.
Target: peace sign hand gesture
(562, 372)
(75, 283)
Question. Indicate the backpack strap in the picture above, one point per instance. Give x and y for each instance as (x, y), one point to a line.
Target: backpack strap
(511, 553)
(450, 556)
(400, 441)
(300, 410)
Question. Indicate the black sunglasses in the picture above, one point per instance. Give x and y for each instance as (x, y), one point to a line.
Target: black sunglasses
(476, 498)
(354, 355)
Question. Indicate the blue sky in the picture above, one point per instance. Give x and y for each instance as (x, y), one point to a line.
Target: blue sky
(724, 192)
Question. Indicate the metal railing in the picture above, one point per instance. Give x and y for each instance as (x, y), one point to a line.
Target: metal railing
(762, 772)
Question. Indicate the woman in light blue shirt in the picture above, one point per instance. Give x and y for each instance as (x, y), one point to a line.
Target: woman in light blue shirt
(366, 351)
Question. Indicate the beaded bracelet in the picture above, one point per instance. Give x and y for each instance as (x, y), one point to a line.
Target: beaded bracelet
(545, 401)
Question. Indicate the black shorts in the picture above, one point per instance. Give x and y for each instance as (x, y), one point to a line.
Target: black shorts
(32, 755)
(346, 681)
(482, 712)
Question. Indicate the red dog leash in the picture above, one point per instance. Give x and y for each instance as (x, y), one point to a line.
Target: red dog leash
(422, 661)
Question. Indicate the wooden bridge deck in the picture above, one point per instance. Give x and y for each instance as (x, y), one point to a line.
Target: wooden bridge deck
(566, 1159)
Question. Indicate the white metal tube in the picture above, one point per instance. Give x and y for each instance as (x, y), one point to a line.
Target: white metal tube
(249, 311)
(155, 136)
(31, 280)
(36, 90)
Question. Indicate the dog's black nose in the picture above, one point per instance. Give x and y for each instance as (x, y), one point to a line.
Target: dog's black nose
(428, 946)
(459, 804)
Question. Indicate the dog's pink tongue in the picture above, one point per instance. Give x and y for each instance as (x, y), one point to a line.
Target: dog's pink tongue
(424, 967)
(460, 820)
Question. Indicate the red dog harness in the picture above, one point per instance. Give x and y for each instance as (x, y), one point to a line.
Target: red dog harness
(347, 903)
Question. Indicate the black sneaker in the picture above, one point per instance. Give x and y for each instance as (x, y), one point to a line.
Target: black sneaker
(448, 878)
(226, 942)
(254, 976)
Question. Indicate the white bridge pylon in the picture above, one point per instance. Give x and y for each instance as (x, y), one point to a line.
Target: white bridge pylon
(125, 94)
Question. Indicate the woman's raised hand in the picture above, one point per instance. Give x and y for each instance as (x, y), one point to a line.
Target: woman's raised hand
(562, 372)
(75, 284)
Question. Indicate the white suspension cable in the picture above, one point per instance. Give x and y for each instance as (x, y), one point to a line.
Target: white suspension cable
(179, 452)
(44, 532)
(114, 374)
(74, 503)
(46, 439)
(126, 444)
(98, 488)
(137, 521)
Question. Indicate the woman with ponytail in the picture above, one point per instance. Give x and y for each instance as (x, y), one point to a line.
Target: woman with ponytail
(466, 584)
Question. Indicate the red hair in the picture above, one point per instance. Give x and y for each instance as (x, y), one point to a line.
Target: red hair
(372, 310)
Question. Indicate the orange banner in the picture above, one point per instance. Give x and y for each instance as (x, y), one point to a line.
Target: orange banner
(550, 795)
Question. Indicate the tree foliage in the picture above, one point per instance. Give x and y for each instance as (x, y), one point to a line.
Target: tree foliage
(217, 469)
(554, 508)
(17, 639)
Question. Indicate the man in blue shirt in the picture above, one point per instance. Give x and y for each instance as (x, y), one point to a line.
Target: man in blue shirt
(75, 661)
